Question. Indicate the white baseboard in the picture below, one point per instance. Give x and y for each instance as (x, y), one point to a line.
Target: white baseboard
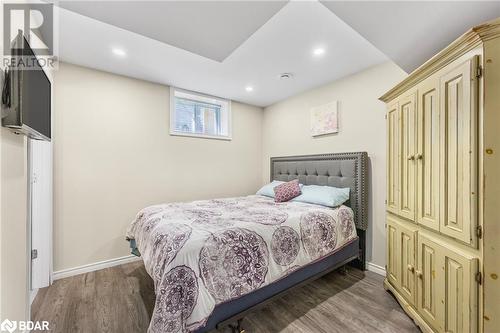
(131, 258)
(94, 267)
(375, 268)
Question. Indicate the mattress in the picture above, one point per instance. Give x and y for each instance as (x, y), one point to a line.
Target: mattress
(203, 254)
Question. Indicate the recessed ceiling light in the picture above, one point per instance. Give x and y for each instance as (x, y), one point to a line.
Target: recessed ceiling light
(319, 51)
(119, 52)
(249, 88)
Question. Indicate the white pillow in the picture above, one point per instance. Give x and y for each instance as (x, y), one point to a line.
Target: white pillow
(268, 189)
(328, 196)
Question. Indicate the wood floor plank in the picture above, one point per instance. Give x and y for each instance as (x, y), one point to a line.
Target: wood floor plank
(121, 299)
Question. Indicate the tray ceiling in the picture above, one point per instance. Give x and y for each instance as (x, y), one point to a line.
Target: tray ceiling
(281, 40)
(213, 29)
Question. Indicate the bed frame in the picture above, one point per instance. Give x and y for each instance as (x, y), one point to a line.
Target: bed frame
(338, 170)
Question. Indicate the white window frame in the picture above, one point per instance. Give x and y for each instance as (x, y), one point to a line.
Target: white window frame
(203, 97)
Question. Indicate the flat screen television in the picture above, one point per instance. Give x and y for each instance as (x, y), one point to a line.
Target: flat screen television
(29, 111)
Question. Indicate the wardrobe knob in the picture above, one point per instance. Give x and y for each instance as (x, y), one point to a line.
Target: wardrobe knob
(411, 157)
(419, 274)
(411, 268)
(419, 156)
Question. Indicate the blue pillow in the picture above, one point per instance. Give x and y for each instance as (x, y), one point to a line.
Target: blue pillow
(268, 189)
(323, 195)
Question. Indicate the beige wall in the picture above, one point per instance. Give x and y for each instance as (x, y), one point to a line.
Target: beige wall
(113, 155)
(14, 253)
(362, 128)
(13, 224)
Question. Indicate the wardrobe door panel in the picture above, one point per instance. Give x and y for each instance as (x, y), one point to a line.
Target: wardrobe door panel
(407, 241)
(428, 156)
(393, 257)
(460, 292)
(407, 118)
(458, 145)
(393, 158)
(427, 274)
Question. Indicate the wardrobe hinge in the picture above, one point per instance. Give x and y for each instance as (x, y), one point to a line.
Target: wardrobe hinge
(479, 72)
(479, 278)
(479, 232)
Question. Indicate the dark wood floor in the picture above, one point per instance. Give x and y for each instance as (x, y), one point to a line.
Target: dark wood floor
(121, 299)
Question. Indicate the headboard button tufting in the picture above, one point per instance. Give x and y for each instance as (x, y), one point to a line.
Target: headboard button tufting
(355, 164)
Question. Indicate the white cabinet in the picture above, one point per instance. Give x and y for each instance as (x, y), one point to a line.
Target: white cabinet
(433, 277)
(432, 153)
(451, 204)
(434, 190)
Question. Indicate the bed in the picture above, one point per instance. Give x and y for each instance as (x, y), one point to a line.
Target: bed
(212, 261)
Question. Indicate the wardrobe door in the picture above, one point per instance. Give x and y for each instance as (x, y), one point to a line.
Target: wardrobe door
(459, 297)
(407, 119)
(428, 154)
(427, 273)
(407, 241)
(458, 147)
(392, 201)
(393, 258)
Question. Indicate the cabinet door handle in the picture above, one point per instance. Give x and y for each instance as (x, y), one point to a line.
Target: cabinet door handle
(411, 157)
(411, 268)
(419, 274)
(420, 156)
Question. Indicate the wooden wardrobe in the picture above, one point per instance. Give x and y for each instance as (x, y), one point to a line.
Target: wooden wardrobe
(443, 187)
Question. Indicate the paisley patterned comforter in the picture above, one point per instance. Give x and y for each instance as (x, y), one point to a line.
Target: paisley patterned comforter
(204, 253)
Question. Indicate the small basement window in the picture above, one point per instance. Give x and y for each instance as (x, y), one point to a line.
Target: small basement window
(198, 115)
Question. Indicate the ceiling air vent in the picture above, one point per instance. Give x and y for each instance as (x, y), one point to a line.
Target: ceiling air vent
(286, 76)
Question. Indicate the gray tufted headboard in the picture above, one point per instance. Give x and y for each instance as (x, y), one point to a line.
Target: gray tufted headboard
(338, 170)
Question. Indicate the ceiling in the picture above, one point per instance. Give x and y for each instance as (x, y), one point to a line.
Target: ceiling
(282, 44)
(223, 47)
(213, 29)
(411, 32)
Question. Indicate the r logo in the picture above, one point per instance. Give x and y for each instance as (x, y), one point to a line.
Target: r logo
(36, 23)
